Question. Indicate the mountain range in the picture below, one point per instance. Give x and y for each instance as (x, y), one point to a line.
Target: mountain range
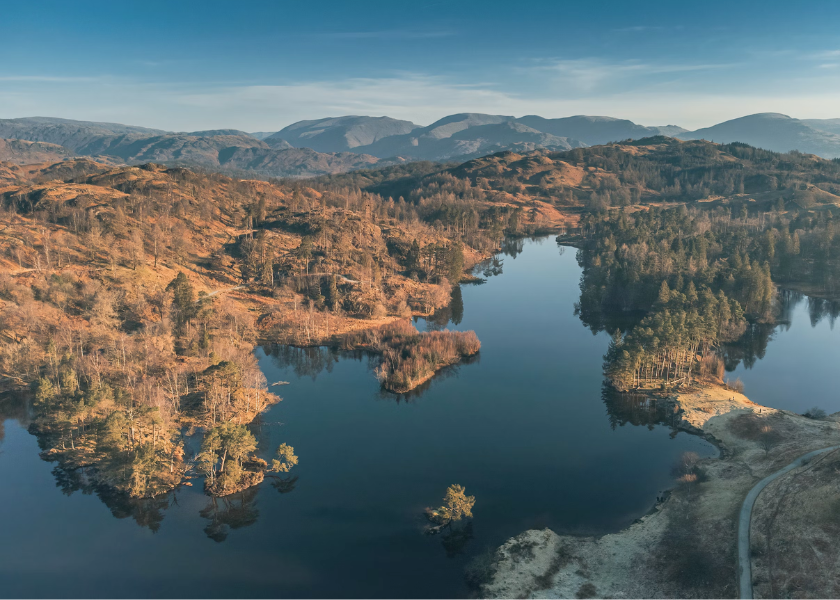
(341, 144)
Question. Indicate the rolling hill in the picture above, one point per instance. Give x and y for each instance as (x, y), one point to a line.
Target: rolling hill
(340, 134)
(773, 131)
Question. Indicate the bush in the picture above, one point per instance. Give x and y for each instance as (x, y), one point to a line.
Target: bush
(814, 413)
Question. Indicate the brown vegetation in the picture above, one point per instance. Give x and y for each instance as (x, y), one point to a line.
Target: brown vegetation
(408, 357)
(131, 299)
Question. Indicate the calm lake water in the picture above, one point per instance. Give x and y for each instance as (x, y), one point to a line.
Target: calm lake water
(526, 428)
(796, 366)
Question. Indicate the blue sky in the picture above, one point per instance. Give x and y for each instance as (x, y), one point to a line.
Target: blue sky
(258, 66)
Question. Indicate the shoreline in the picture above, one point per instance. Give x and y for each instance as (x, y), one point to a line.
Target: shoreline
(686, 545)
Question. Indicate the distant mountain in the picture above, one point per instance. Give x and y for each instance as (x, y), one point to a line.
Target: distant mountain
(261, 135)
(214, 132)
(467, 138)
(21, 152)
(340, 144)
(771, 131)
(220, 149)
(280, 144)
(669, 130)
(594, 131)
(112, 127)
(339, 134)
(828, 125)
(464, 135)
(64, 132)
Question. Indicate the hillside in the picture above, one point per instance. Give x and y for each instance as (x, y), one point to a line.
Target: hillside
(340, 134)
(827, 125)
(655, 170)
(24, 153)
(73, 135)
(469, 135)
(651, 170)
(773, 131)
(132, 298)
(218, 150)
(596, 130)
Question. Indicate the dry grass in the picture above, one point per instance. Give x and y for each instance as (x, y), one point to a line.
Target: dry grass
(408, 357)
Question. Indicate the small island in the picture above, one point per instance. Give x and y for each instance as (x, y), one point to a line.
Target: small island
(409, 358)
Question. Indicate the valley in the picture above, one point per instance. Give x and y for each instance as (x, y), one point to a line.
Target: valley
(153, 315)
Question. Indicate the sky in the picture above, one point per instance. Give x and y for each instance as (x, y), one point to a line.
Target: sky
(259, 66)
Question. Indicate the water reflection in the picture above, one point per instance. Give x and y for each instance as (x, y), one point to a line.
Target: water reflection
(14, 407)
(819, 309)
(453, 313)
(304, 362)
(230, 512)
(146, 512)
(639, 410)
(455, 540)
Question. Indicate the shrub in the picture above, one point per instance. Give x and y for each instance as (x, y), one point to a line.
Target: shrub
(814, 413)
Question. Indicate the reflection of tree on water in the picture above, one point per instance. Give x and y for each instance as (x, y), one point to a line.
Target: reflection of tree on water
(750, 347)
(455, 540)
(14, 407)
(491, 267)
(146, 512)
(230, 512)
(284, 485)
(819, 309)
(513, 247)
(451, 313)
(304, 362)
(636, 409)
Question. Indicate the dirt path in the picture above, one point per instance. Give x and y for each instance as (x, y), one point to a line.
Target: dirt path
(745, 569)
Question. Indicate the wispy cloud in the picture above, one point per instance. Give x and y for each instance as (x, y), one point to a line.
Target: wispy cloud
(385, 34)
(50, 79)
(646, 28)
(590, 74)
(824, 55)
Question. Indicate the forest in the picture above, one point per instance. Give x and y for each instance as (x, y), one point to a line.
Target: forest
(685, 282)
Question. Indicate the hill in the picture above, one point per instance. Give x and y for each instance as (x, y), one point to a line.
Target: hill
(651, 170)
(827, 125)
(132, 298)
(340, 134)
(223, 150)
(73, 135)
(595, 130)
(465, 135)
(24, 153)
(772, 131)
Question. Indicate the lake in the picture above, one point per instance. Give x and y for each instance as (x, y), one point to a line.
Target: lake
(526, 427)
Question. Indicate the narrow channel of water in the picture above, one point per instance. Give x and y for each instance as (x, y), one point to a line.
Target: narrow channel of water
(526, 428)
